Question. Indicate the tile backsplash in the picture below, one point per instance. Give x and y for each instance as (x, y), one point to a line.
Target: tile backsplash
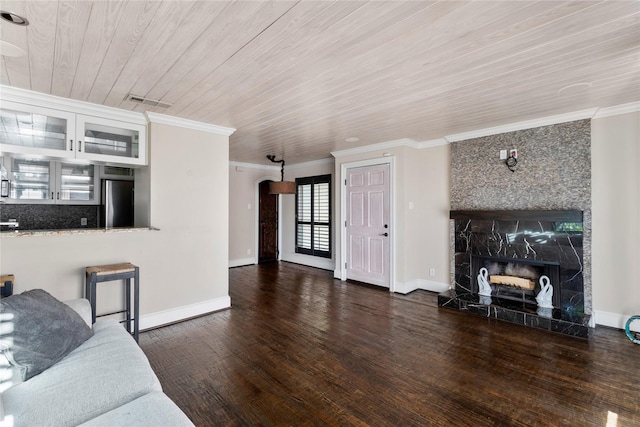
(50, 217)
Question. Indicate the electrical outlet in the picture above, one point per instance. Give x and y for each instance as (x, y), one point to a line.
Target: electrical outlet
(83, 221)
(248, 251)
(503, 154)
(432, 272)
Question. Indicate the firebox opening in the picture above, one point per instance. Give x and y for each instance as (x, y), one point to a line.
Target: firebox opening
(516, 279)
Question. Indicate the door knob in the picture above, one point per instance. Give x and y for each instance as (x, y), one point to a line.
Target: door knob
(385, 234)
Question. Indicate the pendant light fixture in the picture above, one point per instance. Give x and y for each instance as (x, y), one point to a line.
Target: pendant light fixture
(281, 187)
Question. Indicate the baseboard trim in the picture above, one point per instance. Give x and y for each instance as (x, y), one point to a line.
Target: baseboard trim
(240, 262)
(413, 285)
(311, 261)
(165, 317)
(614, 320)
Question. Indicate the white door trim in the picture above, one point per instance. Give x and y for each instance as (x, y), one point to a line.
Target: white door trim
(390, 160)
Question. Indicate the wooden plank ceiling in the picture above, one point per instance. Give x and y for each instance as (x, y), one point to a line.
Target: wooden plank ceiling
(297, 78)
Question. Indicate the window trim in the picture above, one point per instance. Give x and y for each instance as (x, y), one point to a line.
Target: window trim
(312, 180)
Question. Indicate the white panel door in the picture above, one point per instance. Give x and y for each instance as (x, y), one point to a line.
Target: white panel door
(368, 241)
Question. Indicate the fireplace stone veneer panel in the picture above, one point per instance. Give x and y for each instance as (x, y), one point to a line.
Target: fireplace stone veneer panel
(553, 174)
(556, 237)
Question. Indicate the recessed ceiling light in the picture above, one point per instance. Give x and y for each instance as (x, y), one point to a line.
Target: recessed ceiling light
(352, 139)
(575, 87)
(13, 18)
(8, 49)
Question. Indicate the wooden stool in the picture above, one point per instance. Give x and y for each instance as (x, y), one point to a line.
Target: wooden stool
(106, 273)
(6, 285)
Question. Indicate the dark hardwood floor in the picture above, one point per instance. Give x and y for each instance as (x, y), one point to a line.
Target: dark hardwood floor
(299, 348)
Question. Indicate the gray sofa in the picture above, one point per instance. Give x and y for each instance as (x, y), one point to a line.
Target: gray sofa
(105, 381)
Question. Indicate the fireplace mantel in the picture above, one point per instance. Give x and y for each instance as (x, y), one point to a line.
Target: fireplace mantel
(518, 215)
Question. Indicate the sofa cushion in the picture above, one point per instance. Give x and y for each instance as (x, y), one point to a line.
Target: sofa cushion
(38, 331)
(105, 372)
(154, 410)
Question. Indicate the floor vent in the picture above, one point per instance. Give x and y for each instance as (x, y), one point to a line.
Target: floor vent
(147, 101)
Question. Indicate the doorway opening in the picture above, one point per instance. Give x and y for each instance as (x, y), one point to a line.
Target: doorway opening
(267, 224)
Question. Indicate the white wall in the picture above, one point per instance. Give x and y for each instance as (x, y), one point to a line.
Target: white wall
(615, 174)
(243, 210)
(183, 265)
(422, 233)
(421, 213)
(288, 214)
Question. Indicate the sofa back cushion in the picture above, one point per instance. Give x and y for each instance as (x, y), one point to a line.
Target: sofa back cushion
(37, 331)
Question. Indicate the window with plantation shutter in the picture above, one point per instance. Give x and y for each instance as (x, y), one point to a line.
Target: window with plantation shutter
(313, 216)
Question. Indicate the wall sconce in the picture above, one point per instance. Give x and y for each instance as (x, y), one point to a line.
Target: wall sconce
(282, 187)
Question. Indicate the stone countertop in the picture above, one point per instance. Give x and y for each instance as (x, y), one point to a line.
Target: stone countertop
(24, 233)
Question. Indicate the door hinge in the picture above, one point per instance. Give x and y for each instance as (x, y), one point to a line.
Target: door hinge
(345, 265)
(345, 181)
(345, 223)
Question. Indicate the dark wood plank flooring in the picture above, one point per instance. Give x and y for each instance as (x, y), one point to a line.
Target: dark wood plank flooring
(299, 348)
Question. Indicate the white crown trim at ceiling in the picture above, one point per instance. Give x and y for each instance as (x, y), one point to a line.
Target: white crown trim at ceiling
(310, 164)
(189, 124)
(527, 124)
(590, 113)
(631, 107)
(253, 166)
(24, 96)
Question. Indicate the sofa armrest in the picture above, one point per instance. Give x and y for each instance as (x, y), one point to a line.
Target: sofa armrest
(83, 308)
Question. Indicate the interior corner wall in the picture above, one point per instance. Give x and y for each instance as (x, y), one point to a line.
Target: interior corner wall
(189, 198)
(288, 216)
(243, 211)
(426, 218)
(421, 213)
(616, 218)
(183, 264)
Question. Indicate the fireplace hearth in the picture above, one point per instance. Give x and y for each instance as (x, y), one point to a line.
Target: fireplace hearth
(516, 250)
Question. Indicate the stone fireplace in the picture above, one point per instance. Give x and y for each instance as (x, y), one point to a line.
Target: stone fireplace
(536, 215)
(517, 249)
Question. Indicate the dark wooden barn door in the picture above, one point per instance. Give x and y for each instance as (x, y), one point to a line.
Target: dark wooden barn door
(268, 244)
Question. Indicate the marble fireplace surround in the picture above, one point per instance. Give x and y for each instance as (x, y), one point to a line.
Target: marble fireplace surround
(540, 237)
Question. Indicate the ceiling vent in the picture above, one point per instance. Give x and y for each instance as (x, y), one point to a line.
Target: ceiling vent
(147, 101)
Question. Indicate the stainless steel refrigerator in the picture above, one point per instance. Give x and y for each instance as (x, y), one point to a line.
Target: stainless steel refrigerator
(117, 204)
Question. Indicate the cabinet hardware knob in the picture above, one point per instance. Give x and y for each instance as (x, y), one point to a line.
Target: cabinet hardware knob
(71, 145)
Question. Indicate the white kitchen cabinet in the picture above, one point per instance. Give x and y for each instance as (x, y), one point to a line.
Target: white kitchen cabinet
(110, 141)
(37, 181)
(33, 130)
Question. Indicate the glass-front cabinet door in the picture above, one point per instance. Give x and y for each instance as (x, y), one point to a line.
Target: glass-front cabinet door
(31, 181)
(28, 129)
(37, 181)
(110, 141)
(76, 184)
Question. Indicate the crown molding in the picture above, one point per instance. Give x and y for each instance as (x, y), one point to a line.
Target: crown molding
(24, 96)
(277, 168)
(432, 143)
(189, 124)
(527, 124)
(631, 107)
(310, 164)
(254, 166)
(404, 142)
